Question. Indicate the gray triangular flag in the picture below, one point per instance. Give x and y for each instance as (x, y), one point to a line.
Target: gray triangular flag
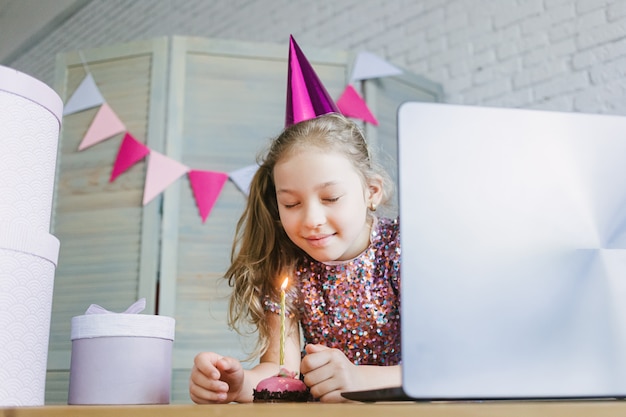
(243, 176)
(85, 97)
(368, 65)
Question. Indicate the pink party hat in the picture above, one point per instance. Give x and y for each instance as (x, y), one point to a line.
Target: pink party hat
(306, 96)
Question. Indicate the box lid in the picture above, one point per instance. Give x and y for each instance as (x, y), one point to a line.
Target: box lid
(122, 324)
(21, 239)
(16, 82)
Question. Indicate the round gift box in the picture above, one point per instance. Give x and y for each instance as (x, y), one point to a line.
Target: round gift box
(27, 266)
(121, 359)
(30, 120)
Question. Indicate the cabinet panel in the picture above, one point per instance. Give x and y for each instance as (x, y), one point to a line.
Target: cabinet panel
(109, 242)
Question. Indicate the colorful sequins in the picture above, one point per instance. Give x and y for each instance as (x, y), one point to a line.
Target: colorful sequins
(354, 306)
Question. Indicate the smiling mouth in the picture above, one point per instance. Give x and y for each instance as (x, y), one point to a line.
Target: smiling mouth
(319, 241)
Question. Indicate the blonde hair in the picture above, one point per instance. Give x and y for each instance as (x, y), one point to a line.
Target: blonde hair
(262, 253)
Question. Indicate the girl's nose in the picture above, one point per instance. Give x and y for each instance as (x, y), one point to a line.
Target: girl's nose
(314, 216)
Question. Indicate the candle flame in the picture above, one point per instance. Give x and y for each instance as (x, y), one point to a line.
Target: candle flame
(284, 284)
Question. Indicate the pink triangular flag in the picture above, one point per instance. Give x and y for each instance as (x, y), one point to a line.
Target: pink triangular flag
(352, 105)
(105, 125)
(131, 151)
(86, 96)
(206, 186)
(162, 172)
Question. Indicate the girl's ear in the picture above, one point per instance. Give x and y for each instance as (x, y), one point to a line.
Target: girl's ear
(375, 191)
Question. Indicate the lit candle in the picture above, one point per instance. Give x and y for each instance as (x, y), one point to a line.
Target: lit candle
(282, 321)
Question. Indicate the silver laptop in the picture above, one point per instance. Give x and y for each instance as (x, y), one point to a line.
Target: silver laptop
(513, 231)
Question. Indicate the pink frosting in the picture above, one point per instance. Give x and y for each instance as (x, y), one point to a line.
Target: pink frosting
(281, 384)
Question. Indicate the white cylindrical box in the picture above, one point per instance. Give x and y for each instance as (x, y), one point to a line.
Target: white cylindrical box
(121, 358)
(27, 266)
(30, 119)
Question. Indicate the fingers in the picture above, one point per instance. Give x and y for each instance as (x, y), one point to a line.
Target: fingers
(317, 370)
(317, 356)
(228, 368)
(333, 396)
(207, 392)
(315, 348)
(205, 363)
(327, 372)
(212, 378)
(205, 389)
(227, 364)
(324, 384)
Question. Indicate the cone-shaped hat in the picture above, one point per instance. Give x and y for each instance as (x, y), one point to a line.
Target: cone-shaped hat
(306, 96)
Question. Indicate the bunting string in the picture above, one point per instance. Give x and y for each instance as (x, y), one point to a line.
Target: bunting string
(162, 171)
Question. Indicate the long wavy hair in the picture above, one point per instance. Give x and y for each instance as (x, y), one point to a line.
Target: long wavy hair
(262, 253)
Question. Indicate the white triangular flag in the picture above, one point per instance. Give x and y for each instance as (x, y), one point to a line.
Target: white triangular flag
(86, 96)
(243, 176)
(368, 65)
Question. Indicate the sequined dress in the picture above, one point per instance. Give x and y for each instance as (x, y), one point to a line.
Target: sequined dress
(354, 305)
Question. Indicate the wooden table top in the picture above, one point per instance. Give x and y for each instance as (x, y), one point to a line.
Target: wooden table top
(455, 409)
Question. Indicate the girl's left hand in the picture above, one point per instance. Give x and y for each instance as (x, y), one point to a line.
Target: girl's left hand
(328, 372)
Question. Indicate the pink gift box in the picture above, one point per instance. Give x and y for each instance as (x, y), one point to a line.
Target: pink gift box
(121, 359)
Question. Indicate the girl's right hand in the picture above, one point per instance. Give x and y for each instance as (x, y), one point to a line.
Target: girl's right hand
(215, 379)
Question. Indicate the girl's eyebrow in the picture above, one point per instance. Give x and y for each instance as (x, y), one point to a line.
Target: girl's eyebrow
(318, 187)
(283, 191)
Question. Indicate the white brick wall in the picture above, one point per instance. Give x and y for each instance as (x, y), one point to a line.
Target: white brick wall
(567, 55)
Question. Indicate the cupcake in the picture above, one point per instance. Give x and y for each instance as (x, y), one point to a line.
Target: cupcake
(283, 387)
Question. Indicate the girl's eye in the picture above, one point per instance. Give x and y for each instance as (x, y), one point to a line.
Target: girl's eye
(288, 206)
(331, 200)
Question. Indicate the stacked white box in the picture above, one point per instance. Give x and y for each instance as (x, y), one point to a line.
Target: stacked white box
(30, 119)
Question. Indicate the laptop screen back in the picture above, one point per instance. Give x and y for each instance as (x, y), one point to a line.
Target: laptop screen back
(513, 230)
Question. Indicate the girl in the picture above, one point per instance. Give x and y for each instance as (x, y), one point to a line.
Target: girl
(310, 217)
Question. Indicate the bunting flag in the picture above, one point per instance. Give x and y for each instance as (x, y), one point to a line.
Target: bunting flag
(206, 186)
(105, 125)
(368, 65)
(131, 151)
(243, 176)
(162, 172)
(352, 104)
(86, 96)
